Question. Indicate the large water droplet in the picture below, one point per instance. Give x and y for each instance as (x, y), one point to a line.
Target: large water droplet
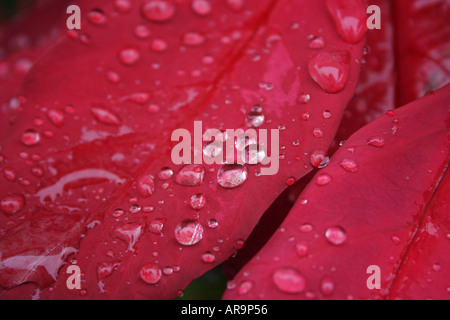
(189, 232)
(151, 273)
(255, 118)
(12, 204)
(232, 175)
(158, 10)
(330, 70)
(319, 158)
(191, 175)
(336, 235)
(165, 173)
(253, 154)
(350, 18)
(289, 280)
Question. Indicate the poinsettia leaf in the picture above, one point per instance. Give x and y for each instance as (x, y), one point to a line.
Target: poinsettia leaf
(422, 47)
(92, 139)
(381, 201)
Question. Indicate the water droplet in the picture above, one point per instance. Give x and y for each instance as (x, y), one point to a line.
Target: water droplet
(135, 208)
(232, 175)
(213, 224)
(191, 175)
(290, 181)
(304, 98)
(146, 185)
(105, 116)
(306, 227)
(255, 118)
(289, 280)
(318, 133)
(130, 233)
(156, 226)
(323, 179)
(31, 138)
(165, 173)
(395, 239)
(245, 287)
(208, 257)
(37, 171)
(151, 273)
(327, 286)
(350, 19)
(253, 154)
(113, 77)
(193, 38)
(142, 31)
(118, 213)
(159, 45)
(336, 235)
(198, 201)
(326, 114)
(201, 7)
(319, 159)
(376, 142)
(302, 249)
(158, 10)
(56, 116)
(208, 59)
(123, 5)
(189, 232)
(317, 43)
(12, 204)
(105, 269)
(330, 70)
(129, 55)
(97, 17)
(10, 174)
(436, 267)
(349, 165)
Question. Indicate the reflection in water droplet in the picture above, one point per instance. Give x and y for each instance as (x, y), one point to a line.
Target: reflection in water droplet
(289, 280)
(232, 175)
(336, 235)
(319, 158)
(151, 273)
(189, 232)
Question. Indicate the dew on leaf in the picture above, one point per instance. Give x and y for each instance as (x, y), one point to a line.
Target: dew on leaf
(198, 201)
(150, 273)
(232, 175)
(189, 232)
(336, 235)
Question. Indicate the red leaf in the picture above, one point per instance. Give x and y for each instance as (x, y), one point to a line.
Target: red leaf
(392, 212)
(422, 48)
(119, 110)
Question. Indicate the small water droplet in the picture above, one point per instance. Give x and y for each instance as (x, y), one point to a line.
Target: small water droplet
(31, 138)
(290, 181)
(317, 43)
(158, 10)
(105, 269)
(130, 233)
(150, 273)
(12, 204)
(201, 7)
(146, 185)
(9, 174)
(232, 175)
(189, 232)
(96, 17)
(165, 173)
(319, 159)
(105, 116)
(306, 227)
(190, 175)
(255, 119)
(142, 31)
(323, 179)
(349, 165)
(213, 224)
(118, 213)
(129, 56)
(159, 45)
(156, 226)
(198, 201)
(318, 133)
(245, 287)
(253, 154)
(302, 248)
(395, 239)
(193, 38)
(336, 235)
(330, 70)
(289, 280)
(377, 141)
(208, 257)
(56, 116)
(327, 286)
